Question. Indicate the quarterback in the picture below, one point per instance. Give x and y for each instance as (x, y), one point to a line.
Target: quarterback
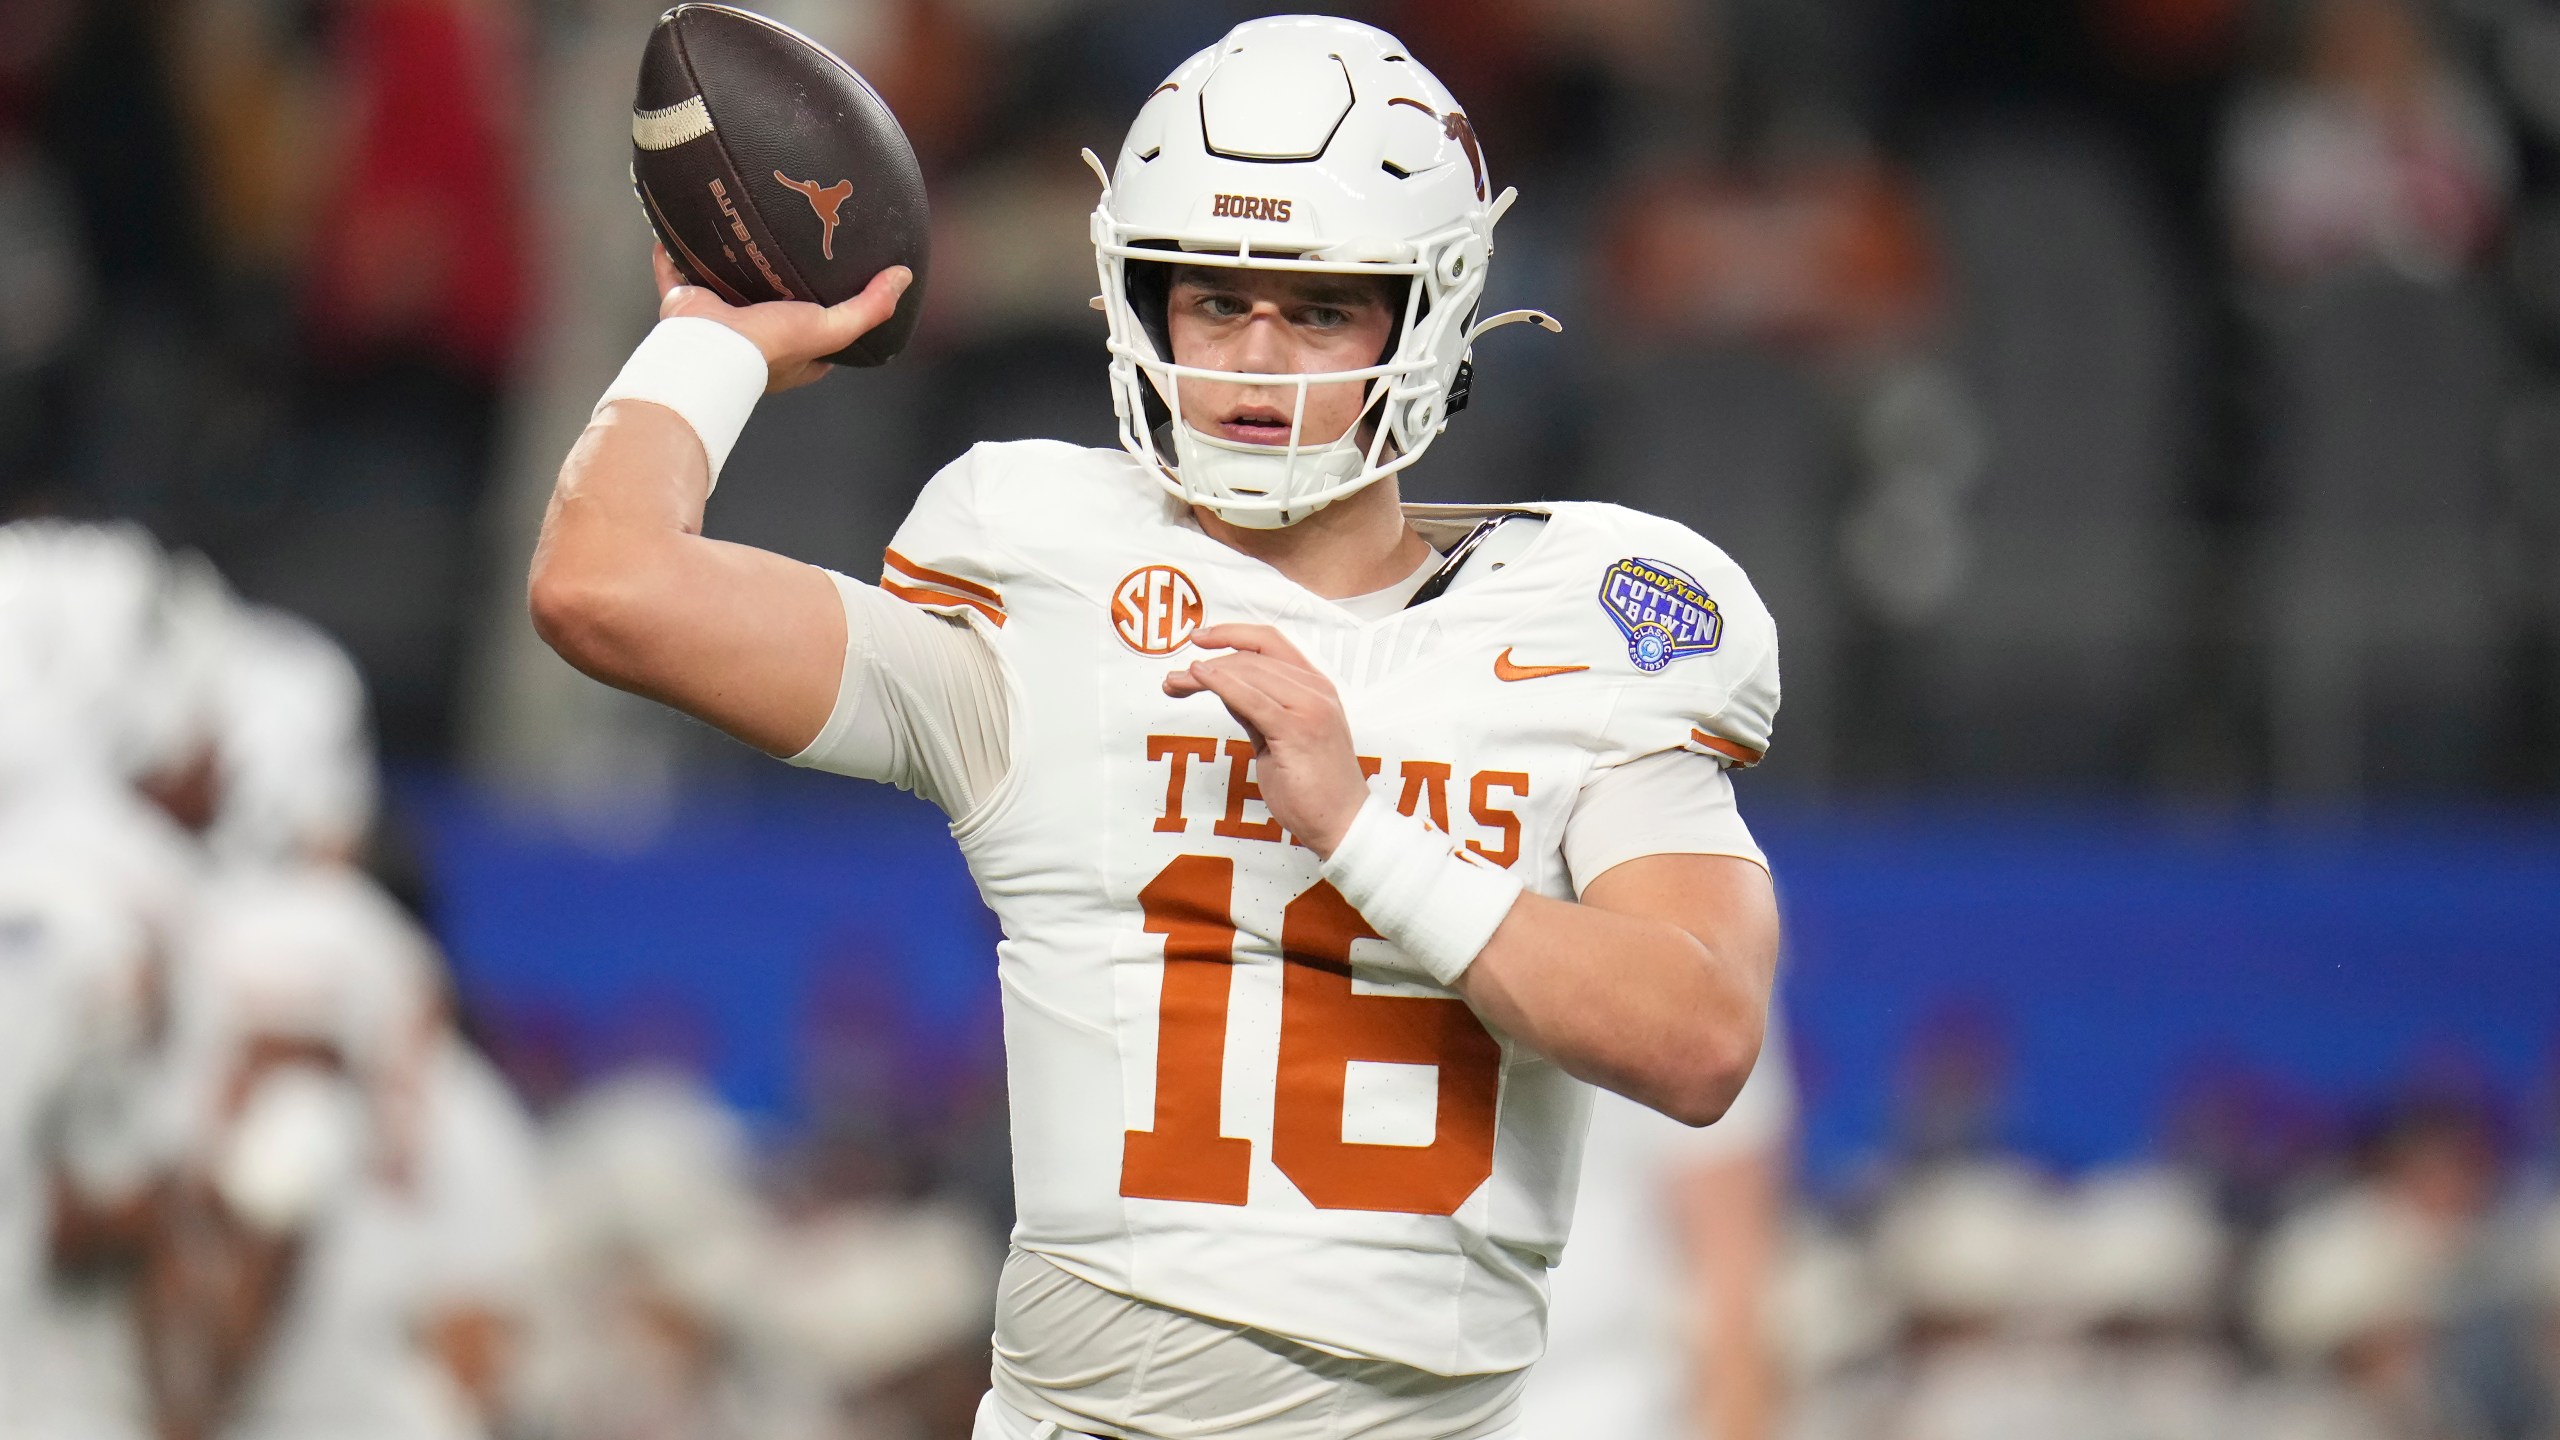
(1339, 845)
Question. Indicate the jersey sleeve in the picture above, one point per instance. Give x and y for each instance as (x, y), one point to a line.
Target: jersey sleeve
(1732, 708)
(1672, 802)
(1716, 692)
(1737, 730)
(944, 557)
(1660, 785)
(921, 704)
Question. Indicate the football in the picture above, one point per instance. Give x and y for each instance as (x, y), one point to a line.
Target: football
(771, 171)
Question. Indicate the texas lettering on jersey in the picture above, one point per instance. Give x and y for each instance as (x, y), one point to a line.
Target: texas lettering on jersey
(1229, 1095)
(1425, 783)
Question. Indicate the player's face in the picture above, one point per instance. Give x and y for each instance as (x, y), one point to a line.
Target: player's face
(1274, 322)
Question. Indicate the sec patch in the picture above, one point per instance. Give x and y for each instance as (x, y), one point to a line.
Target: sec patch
(1154, 609)
(1663, 612)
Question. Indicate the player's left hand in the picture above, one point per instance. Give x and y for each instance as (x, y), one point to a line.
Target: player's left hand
(1311, 781)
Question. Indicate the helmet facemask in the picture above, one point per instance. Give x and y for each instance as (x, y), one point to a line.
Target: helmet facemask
(1270, 486)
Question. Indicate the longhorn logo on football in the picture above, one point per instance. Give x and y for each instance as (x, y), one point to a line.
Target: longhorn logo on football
(826, 200)
(1155, 609)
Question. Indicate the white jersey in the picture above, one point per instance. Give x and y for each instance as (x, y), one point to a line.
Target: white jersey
(83, 872)
(392, 1255)
(478, 1190)
(34, 1061)
(1223, 1101)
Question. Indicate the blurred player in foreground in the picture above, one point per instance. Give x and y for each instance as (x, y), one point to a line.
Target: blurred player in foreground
(1339, 846)
(1659, 1325)
(251, 1182)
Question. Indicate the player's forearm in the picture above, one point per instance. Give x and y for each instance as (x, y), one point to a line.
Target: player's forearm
(476, 1343)
(1632, 1004)
(91, 1230)
(212, 1289)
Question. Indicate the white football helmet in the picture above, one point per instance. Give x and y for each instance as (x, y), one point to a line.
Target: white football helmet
(107, 646)
(296, 754)
(1298, 142)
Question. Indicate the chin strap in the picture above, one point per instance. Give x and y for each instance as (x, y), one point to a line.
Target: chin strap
(1228, 470)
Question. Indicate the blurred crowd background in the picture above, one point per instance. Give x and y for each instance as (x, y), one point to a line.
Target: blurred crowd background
(2145, 413)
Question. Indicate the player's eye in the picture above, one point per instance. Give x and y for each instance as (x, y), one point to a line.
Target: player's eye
(1219, 305)
(1324, 317)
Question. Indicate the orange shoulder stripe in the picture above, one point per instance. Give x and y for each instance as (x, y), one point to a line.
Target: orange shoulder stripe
(1735, 751)
(918, 595)
(914, 571)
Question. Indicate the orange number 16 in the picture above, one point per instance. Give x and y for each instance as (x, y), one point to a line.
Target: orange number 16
(1323, 1028)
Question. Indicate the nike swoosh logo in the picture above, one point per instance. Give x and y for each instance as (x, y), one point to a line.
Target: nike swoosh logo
(1503, 669)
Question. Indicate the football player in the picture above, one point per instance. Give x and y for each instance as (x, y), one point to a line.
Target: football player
(1340, 846)
(283, 1260)
(74, 951)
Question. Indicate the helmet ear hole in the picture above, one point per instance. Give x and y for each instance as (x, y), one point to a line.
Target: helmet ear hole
(1150, 287)
(1399, 291)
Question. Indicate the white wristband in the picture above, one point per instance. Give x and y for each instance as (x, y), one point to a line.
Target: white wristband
(1436, 903)
(702, 370)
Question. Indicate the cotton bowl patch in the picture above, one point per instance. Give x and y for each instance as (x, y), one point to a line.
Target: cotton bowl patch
(1665, 615)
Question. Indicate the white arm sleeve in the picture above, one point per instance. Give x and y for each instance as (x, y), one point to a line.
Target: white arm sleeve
(1672, 802)
(922, 704)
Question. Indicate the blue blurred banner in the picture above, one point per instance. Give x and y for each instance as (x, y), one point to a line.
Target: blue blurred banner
(741, 935)
(2120, 974)
(2075, 983)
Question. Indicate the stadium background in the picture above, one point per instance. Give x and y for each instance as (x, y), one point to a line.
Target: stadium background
(2142, 415)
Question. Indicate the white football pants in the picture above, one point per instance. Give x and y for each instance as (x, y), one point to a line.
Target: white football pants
(999, 1421)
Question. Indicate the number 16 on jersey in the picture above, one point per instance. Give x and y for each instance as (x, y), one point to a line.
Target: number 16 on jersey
(1324, 1027)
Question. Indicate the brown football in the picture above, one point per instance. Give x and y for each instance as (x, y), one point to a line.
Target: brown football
(771, 171)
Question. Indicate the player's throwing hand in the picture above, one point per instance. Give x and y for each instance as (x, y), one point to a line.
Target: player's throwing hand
(793, 334)
(1311, 780)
